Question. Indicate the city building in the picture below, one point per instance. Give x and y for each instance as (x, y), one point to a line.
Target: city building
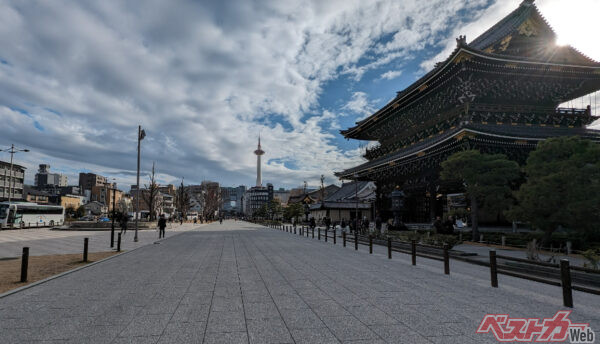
(258, 196)
(345, 202)
(67, 201)
(11, 181)
(43, 178)
(499, 93)
(104, 195)
(232, 198)
(89, 180)
(35, 196)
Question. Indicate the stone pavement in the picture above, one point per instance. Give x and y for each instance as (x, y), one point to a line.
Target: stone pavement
(44, 241)
(266, 286)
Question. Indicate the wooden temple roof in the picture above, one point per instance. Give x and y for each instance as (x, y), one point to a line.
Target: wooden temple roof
(522, 38)
(517, 134)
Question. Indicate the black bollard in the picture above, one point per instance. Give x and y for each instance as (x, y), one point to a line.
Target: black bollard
(493, 269)
(334, 236)
(344, 238)
(370, 244)
(85, 249)
(313, 233)
(294, 230)
(24, 264)
(413, 251)
(355, 240)
(326, 235)
(389, 248)
(119, 242)
(319, 230)
(565, 281)
(446, 260)
(112, 237)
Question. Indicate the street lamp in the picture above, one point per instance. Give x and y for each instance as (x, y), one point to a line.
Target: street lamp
(141, 135)
(356, 196)
(12, 150)
(112, 227)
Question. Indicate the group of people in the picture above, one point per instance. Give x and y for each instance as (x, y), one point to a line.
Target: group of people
(444, 227)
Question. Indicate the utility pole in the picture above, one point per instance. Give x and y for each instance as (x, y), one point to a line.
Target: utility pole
(12, 150)
(112, 227)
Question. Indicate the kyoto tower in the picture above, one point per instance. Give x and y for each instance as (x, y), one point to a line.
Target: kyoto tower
(258, 153)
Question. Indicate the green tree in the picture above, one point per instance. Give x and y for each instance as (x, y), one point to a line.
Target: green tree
(80, 212)
(275, 209)
(293, 211)
(262, 212)
(562, 187)
(487, 179)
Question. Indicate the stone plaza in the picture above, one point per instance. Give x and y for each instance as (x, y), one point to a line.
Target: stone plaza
(244, 283)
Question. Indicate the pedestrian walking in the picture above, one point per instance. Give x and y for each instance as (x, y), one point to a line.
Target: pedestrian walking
(313, 223)
(162, 224)
(327, 223)
(378, 223)
(123, 222)
(438, 226)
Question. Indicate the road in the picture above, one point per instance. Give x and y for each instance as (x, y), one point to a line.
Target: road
(242, 283)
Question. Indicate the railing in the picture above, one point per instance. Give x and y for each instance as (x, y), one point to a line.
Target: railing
(562, 275)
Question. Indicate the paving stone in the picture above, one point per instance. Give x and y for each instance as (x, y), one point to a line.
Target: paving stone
(226, 338)
(349, 328)
(226, 322)
(314, 336)
(263, 331)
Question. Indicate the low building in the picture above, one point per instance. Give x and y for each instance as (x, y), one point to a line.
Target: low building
(11, 181)
(67, 201)
(343, 204)
(95, 208)
(232, 198)
(35, 196)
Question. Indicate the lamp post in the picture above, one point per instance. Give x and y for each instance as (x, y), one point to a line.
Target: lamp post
(356, 196)
(141, 135)
(112, 227)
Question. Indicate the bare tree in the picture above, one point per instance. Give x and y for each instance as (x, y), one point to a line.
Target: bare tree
(183, 201)
(150, 195)
(212, 199)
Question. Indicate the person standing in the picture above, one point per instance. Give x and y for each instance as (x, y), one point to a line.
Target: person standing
(162, 224)
(378, 223)
(313, 223)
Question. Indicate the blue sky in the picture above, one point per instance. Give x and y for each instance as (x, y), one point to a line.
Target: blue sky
(204, 78)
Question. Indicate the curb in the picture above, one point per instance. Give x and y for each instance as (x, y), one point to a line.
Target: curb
(14, 291)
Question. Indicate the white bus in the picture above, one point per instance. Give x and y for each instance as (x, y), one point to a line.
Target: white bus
(21, 215)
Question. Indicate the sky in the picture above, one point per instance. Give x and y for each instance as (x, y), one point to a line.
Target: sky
(205, 78)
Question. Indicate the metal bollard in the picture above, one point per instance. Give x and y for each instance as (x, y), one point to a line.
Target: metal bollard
(370, 244)
(446, 260)
(294, 230)
(413, 251)
(119, 242)
(319, 230)
(334, 236)
(24, 264)
(355, 240)
(344, 238)
(85, 249)
(326, 235)
(313, 233)
(565, 281)
(389, 248)
(112, 237)
(493, 269)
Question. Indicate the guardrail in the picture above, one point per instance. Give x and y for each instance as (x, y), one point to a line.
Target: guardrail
(560, 275)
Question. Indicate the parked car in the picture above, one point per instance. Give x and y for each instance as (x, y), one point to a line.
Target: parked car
(87, 218)
(104, 219)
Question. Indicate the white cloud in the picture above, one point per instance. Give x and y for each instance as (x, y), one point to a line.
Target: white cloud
(391, 74)
(202, 77)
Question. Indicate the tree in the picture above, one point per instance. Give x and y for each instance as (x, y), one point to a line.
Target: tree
(70, 211)
(262, 212)
(562, 187)
(487, 179)
(80, 212)
(182, 200)
(150, 195)
(275, 209)
(293, 211)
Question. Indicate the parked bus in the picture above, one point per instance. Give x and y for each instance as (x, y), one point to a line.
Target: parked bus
(21, 215)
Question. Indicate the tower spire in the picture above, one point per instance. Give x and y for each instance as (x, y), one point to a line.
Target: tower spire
(258, 153)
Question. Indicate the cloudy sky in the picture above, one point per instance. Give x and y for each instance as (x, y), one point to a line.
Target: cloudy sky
(204, 78)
